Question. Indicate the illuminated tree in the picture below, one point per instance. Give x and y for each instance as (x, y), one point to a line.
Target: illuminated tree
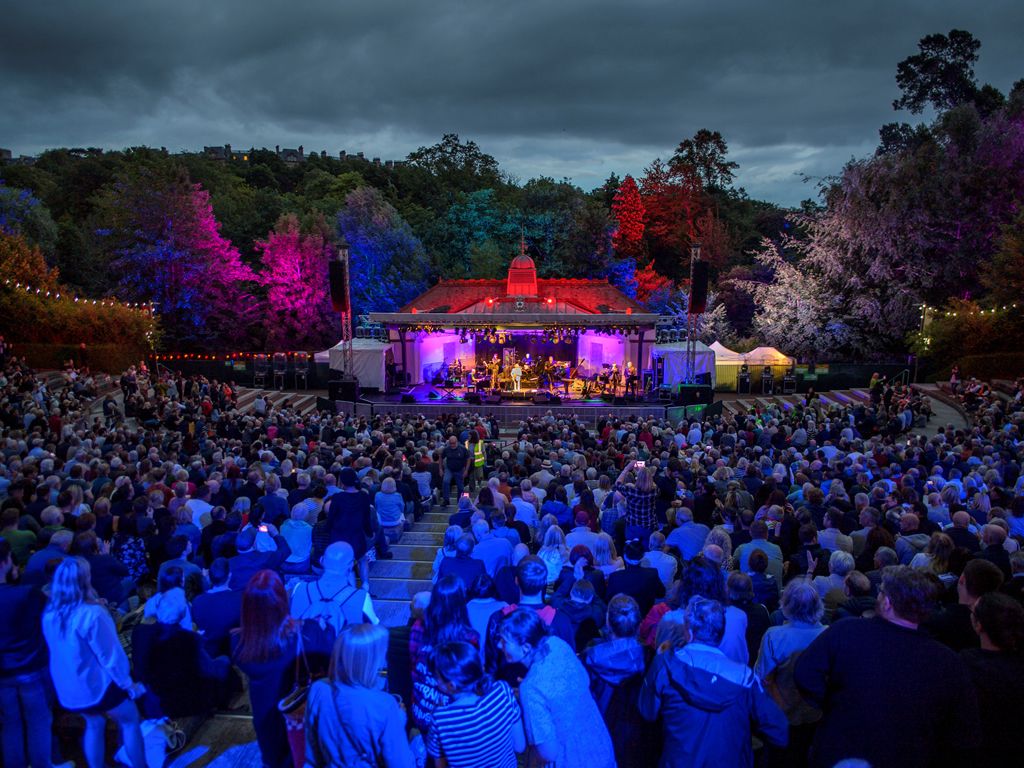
(295, 277)
(628, 212)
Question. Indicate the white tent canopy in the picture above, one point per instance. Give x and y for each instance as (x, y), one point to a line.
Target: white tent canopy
(723, 354)
(368, 360)
(674, 356)
(768, 356)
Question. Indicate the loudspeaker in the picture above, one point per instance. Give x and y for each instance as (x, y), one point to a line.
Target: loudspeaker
(541, 398)
(407, 398)
(339, 286)
(695, 394)
(607, 397)
(699, 288)
(343, 389)
(619, 400)
(473, 398)
(493, 398)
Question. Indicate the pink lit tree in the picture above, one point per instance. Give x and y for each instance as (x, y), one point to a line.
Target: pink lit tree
(167, 247)
(295, 277)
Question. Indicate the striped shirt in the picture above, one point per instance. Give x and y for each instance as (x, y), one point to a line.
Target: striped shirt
(478, 734)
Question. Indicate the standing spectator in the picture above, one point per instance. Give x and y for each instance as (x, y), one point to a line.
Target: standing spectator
(218, 611)
(776, 661)
(456, 466)
(741, 596)
(348, 518)
(859, 671)
(997, 671)
(24, 680)
(265, 648)
(88, 666)
(350, 720)
(616, 669)
(658, 558)
(494, 552)
(445, 620)
(641, 497)
(711, 705)
(562, 721)
(482, 724)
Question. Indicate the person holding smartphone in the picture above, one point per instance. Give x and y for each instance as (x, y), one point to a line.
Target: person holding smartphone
(641, 495)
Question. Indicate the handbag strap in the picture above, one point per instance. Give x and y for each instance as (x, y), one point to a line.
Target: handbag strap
(300, 657)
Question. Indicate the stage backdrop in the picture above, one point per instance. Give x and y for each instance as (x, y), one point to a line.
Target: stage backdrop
(368, 358)
(675, 361)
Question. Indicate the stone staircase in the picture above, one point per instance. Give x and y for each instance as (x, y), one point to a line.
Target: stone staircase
(301, 401)
(394, 582)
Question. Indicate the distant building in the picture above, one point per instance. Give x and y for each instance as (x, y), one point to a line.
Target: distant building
(292, 156)
(5, 155)
(225, 153)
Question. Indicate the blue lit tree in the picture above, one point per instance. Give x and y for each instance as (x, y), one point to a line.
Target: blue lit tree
(388, 265)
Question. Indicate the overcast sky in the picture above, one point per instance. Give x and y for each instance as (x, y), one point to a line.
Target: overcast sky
(574, 88)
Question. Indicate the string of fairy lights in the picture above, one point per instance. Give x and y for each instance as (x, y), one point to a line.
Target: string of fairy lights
(937, 312)
(54, 295)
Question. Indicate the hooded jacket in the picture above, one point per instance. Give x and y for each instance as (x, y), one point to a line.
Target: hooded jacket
(709, 704)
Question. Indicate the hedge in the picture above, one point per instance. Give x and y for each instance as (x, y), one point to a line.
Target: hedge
(108, 358)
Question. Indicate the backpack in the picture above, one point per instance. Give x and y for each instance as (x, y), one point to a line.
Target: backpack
(780, 684)
(325, 617)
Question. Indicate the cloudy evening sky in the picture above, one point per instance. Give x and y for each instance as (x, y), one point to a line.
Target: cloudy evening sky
(574, 88)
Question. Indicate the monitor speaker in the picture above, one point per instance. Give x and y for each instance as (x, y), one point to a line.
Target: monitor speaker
(492, 399)
(695, 394)
(407, 398)
(343, 389)
(473, 398)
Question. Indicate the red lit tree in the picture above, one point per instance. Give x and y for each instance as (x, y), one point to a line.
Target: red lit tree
(629, 213)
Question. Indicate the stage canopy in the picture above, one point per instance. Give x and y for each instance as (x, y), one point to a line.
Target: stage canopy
(723, 354)
(369, 357)
(674, 356)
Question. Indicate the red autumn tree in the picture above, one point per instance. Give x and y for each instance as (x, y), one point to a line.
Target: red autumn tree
(629, 213)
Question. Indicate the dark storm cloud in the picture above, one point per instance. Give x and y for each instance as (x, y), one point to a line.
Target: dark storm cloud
(575, 88)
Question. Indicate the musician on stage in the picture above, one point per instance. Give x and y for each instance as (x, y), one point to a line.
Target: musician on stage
(495, 368)
(632, 379)
(517, 377)
(615, 378)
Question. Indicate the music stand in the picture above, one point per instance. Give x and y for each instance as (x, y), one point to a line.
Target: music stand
(301, 362)
(280, 369)
(260, 369)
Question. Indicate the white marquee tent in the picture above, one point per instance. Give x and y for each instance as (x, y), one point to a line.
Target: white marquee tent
(369, 358)
(674, 356)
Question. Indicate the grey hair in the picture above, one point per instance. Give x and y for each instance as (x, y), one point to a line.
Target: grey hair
(706, 620)
(841, 563)
(801, 602)
(886, 556)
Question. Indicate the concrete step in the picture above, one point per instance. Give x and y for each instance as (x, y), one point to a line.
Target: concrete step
(400, 569)
(731, 407)
(423, 553)
(392, 613)
(436, 517)
(422, 538)
(398, 589)
(424, 527)
(861, 394)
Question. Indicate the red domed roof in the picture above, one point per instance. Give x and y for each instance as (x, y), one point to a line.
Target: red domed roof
(522, 261)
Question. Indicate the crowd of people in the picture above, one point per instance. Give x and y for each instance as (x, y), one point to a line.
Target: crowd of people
(787, 586)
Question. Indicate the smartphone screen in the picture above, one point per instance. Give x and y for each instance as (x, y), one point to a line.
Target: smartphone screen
(641, 463)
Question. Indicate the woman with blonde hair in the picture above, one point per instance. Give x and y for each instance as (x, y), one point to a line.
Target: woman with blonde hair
(720, 537)
(554, 552)
(935, 558)
(641, 496)
(606, 559)
(89, 667)
(350, 718)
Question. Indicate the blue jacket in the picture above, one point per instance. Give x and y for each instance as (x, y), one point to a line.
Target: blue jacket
(710, 705)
